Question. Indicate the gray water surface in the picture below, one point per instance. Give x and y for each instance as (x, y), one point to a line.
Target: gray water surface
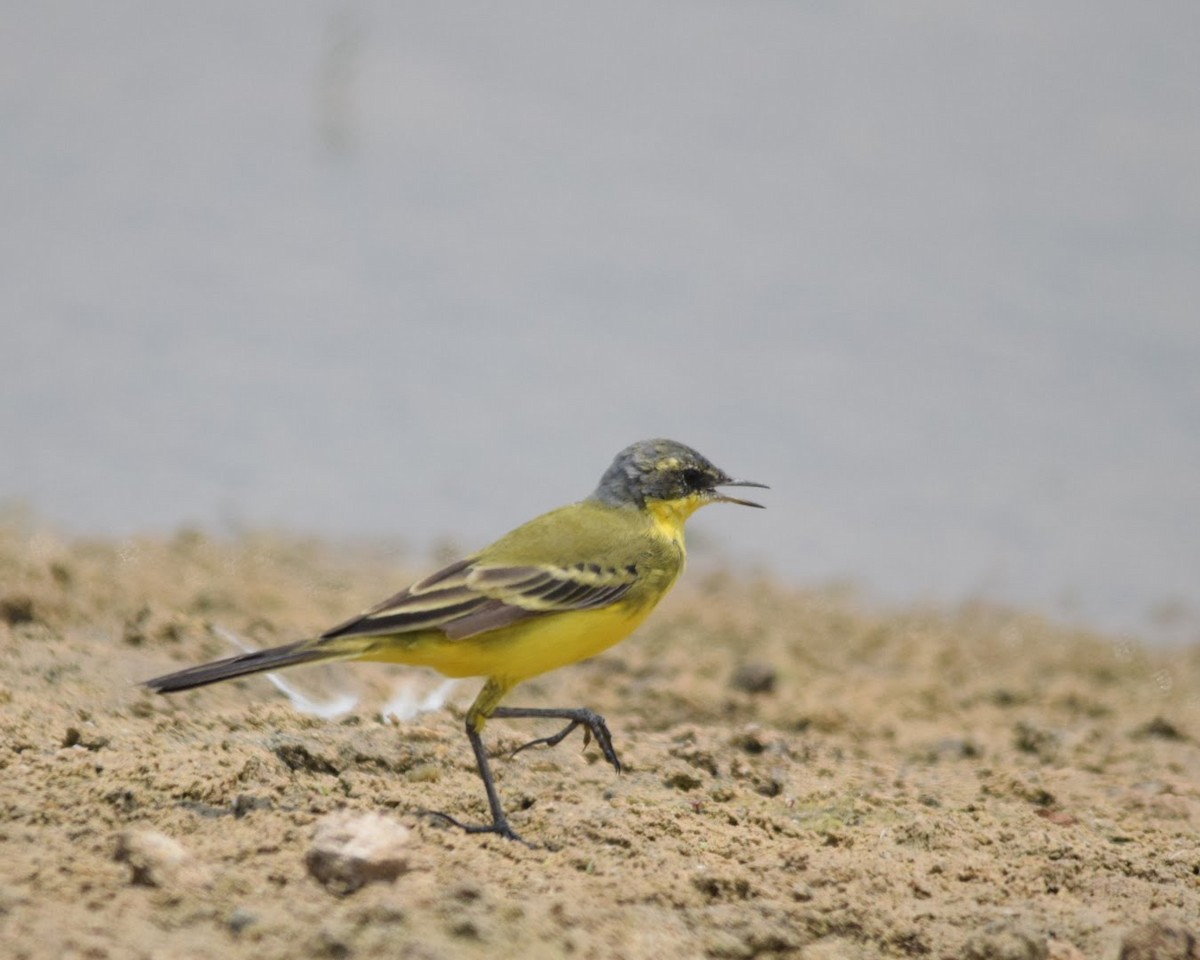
(419, 270)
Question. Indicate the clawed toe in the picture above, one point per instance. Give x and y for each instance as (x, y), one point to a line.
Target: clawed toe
(501, 828)
(594, 726)
(554, 740)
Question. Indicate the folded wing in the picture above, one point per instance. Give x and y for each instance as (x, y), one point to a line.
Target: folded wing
(468, 598)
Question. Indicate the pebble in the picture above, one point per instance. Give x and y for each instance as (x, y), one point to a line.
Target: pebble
(1003, 941)
(351, 849)
(240, 919)
(1159, 941)
(157, 860)
(754, 677)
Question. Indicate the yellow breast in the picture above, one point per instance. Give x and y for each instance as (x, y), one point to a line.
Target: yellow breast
(525, 649)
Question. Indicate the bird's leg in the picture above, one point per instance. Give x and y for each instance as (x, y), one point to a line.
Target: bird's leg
(499, 824)
(481, 709)
(485, 707)
(593, 726)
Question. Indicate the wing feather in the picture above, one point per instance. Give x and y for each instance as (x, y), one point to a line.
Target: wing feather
(468, 598)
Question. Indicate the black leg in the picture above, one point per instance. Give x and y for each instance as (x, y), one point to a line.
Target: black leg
(499, 824)
(593, 726)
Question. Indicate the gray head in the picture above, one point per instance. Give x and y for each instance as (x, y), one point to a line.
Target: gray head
(665, 470)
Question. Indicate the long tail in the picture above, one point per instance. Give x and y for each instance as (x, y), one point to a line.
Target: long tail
(276, 658)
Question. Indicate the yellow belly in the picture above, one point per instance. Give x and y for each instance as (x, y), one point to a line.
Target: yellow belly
(521, 651)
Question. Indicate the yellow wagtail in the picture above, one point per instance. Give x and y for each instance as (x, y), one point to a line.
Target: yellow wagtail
(558, 589)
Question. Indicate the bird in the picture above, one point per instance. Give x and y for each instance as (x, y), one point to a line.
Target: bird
(558, 589)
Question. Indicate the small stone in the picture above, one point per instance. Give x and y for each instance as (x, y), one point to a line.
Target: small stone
(750, 740)
(1161, 728)
(351, 849)
(681, 778)
(240, 919)
(74, 738)
(1159, 941)
(16, 608)
(1003, 941)
(754, 677)
(157, 860)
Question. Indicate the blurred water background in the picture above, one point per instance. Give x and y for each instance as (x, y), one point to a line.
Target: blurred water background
(392, 269)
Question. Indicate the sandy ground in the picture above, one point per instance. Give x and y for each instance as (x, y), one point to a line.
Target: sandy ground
(803, 779)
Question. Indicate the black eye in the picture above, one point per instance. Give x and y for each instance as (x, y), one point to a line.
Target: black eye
(693, 478)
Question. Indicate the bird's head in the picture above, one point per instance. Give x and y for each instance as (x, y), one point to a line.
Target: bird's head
(669, 472)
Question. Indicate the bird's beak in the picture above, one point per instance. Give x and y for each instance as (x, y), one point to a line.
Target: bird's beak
(723, 498)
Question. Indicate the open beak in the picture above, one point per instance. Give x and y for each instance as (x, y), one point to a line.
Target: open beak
(723, 498)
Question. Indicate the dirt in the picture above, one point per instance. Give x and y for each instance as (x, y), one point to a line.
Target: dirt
(802, 778)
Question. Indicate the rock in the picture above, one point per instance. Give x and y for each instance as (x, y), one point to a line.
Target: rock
(157, 860)
(1002, 941)
(16, 608)
(240, 919)
(1159, 941)
(754, 677)
(350, 849)
(1159, 727)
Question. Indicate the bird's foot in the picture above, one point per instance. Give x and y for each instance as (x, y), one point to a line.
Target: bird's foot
(593, 725)
(500, 827)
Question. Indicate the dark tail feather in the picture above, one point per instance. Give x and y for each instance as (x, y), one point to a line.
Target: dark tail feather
(303, 651)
